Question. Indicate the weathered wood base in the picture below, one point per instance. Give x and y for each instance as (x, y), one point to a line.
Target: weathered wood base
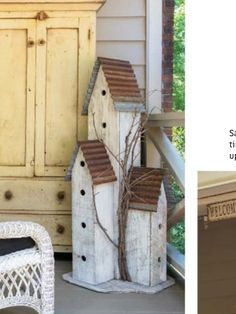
(118, 286)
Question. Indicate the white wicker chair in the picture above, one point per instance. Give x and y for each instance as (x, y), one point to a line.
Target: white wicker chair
(27, 276)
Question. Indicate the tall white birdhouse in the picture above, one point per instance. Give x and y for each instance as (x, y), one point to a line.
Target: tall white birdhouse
(114, 103)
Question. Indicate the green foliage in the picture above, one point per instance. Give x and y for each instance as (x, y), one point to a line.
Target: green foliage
(177, 235)
(179, 57)
(179, 72)
(177, 192)
(178, 134)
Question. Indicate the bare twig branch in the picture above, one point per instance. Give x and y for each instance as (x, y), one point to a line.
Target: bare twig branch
(98, 220)
(125, 160)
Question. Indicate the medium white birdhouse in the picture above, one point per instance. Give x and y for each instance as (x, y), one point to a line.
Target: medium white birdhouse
(93, 180)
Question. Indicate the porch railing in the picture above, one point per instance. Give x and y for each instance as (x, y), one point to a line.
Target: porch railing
(176, 165)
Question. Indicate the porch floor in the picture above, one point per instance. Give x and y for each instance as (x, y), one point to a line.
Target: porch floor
(71, 299)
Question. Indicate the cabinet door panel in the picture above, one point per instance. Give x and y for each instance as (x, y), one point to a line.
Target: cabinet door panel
(61, 95)
(17, 97)
(57, 95)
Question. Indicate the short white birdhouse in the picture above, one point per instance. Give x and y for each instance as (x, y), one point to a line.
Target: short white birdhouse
(146, 232)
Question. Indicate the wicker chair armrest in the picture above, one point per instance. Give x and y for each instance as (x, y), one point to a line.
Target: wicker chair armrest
(21, 229)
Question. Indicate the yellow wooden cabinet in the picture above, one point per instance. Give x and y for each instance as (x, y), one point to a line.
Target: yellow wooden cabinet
(47, 50)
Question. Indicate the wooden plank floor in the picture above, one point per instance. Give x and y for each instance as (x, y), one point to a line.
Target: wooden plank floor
(74, 300)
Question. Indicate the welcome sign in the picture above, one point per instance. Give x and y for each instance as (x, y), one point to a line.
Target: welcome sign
(222, 210)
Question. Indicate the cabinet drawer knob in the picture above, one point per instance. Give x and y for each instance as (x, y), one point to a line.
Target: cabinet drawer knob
(41, 42)
(61, 195)
(8, 195)
(60, 229)
(30, 43)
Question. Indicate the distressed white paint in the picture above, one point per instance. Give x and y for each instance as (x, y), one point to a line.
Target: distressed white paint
(104, 250)
(82, 211)
(138, 246)
(90, 242)
(101, 109)
(158, 241)
(146, 244)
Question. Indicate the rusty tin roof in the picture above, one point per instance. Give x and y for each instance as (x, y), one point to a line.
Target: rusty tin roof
(146, 188)
(122, 84)
(97, 160)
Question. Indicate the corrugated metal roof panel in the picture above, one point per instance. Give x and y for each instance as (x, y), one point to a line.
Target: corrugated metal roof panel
(122, 84)
(98, 161)
(146, 187)
(119, 74)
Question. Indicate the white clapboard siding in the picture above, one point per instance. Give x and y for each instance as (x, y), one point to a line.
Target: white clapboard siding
(123, 8)
(121, 34)
(140, 75)
(131, 51)
(124, 29)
